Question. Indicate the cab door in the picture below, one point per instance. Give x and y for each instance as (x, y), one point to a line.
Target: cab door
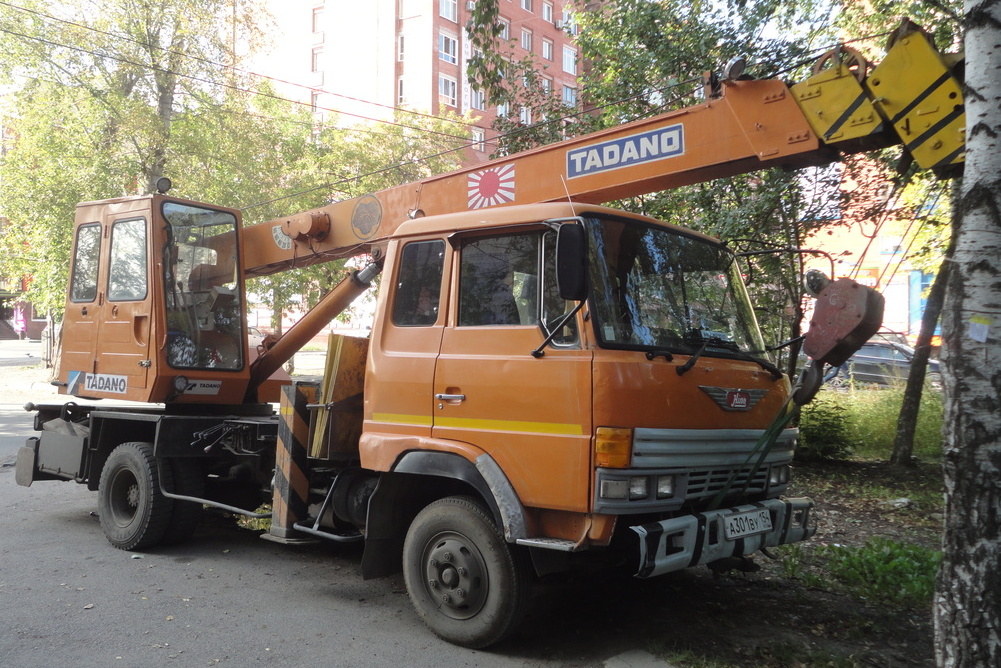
(124, 350)
(532, 414)
(398, 383)
(105, 337)
(80, 319)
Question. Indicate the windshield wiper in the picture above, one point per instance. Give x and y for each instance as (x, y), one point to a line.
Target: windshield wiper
(694, 336)
(764, 364)
(687, 366)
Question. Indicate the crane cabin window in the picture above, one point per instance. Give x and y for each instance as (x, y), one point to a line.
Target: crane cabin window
(127, 269)
(202, 289)
(86, 258)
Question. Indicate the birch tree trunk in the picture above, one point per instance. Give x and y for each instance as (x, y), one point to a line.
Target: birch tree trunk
(968, 597)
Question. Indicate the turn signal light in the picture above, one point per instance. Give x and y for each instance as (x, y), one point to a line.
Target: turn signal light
(613, 448)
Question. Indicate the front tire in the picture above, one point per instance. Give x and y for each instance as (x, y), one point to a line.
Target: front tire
(467, 584)
(134, 514)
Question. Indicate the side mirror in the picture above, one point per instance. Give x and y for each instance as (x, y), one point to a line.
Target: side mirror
(571, 262)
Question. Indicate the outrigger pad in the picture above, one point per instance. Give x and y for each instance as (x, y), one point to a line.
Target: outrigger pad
(845, 316)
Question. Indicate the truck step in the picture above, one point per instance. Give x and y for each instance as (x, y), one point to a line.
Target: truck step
(559, 544)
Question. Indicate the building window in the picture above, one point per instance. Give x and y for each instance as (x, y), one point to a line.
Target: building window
(526, 5)
(478, 100)
(502, 110)
(547, 11)
(547, 49)
(505, 29)
(401, 97)
(314, 63)
(569, 60)
(547, 84)
(449, 9)
(479, 139)
(447, 90)
(448, 48)
(526, 40)
(525, 116)
(314, 101)
(317, 19)
(570, 96)
(399, 48)
(567, 23)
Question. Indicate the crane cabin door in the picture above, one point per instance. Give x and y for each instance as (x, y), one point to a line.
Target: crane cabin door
(106, 330)
(530, 413)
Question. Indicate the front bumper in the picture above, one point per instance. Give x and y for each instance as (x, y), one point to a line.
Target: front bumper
(690, 540)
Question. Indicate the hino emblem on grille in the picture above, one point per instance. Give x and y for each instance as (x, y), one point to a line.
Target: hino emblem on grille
(732, 398)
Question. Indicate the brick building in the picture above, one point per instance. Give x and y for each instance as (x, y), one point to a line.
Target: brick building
(364, 60)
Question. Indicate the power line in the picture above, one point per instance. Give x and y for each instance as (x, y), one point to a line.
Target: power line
(234, 87)
(238, 69)
(446, 152)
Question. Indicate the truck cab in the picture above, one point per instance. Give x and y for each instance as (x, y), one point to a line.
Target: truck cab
(646, 402)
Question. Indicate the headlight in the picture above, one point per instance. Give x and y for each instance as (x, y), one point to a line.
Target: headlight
(180, 384)
(638, 488)
(665, 486)
(778, 475)
(614, 489)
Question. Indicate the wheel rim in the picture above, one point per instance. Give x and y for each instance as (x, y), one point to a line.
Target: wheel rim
(455, 575)
(124, 497)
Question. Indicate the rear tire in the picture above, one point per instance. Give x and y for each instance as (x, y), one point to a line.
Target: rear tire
(465, 581)
(134, 514)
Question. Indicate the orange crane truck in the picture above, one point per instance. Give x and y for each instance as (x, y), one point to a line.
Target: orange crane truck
(546, 378)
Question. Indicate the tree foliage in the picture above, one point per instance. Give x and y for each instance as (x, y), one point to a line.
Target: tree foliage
(112, 94)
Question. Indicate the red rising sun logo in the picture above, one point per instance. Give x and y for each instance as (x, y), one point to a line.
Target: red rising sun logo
(491, 187)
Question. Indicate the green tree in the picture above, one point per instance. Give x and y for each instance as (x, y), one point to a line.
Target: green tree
(104, 107)
(95, 94)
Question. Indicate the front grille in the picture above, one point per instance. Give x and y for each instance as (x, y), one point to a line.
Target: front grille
(709, 483)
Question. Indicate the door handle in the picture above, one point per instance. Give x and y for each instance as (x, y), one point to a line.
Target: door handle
(450, 397)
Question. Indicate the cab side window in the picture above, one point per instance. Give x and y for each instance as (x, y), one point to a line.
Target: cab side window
(498, 281)
(418, 286)
(127, 269)
(83, 284)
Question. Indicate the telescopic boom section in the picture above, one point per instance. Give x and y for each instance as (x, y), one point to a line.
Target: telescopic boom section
(911, 98)
(753, 124)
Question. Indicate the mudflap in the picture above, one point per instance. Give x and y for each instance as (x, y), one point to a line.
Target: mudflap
(24, 470)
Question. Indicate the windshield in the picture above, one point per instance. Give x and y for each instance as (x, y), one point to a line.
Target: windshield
(204, 310)
(656, 288)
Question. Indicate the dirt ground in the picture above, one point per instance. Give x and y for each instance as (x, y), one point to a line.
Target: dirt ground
(756, 619)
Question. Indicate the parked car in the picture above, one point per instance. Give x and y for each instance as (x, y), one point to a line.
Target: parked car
(884, 360)
(254, 337)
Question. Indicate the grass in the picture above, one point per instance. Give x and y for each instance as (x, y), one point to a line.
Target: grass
(862, 422)
(883, 571)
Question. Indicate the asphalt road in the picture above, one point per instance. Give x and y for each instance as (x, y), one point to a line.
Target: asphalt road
(225, 598)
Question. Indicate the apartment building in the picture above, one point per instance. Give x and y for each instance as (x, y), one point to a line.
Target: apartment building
(362, 61)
